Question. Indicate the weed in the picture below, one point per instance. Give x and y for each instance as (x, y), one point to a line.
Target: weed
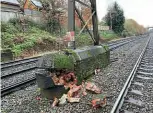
(83, 40)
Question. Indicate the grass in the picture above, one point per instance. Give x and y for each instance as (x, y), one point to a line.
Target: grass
(83, 40)
(13, 39)
(108, 35)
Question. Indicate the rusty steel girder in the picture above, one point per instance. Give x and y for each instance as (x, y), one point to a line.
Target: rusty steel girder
(71, 19)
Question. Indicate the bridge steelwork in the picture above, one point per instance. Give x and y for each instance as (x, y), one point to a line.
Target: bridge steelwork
(72, 9)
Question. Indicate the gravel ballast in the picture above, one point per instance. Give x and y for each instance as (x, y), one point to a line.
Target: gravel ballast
(111, 80)
(17, 68)
(143, 76)
(6, 82)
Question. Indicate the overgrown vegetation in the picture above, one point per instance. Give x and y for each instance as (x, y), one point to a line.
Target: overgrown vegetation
(83, 40)
(17, 41)
(19, 38)
(133, 27)
(115, 18)
(63, 61)
(108, 35)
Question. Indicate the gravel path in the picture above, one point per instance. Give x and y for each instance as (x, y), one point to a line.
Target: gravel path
(111, 80)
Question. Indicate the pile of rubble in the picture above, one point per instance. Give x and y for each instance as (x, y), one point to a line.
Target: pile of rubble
(75, 92)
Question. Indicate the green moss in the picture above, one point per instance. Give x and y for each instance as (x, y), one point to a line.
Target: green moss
(83, 40)
(84, 68)
(63, 61)
(12, 37)
(105, 47)
(89, 53)
(72, 52)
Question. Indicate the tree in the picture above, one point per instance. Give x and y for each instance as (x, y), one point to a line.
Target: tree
(133, 27)
(53, 12)
(115, 18)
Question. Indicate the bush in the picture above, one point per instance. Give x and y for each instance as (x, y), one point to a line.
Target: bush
(7, 34)
(12, 38)
(17, 41)
(83, 40)
(53, 26)
(32, 23)
(125, 33)
(34, 30)
(17, 50)
(9, 28)
(16, 23)
(108, 35)
(6, 40)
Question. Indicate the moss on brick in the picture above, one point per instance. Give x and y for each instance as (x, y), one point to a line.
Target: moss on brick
(84, 65)
(63, 61)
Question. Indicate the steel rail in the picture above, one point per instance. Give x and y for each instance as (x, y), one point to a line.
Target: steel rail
(11, 88)
(120, 41)
(35, 58)
(114, 46)
(127, 84)
(18, 72)
(19, 63)
(21, 84)
(15, 86)
(127, 38)
(16, 61)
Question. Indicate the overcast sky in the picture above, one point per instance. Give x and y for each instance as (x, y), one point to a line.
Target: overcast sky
(139, 10)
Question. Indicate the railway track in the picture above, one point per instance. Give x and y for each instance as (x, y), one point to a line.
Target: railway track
(136, 95)
(18, 62)
(17, 74)
(17, 86)
(20, 73)
(115, 44)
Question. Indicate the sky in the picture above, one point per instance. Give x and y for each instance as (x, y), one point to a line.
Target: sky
(139, 10)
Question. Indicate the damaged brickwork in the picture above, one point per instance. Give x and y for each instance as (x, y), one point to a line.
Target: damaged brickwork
(82, 62)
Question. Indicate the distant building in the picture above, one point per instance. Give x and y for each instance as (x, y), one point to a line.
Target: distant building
(33, 10)
(32, 7)
(100, 28)
(10, 9)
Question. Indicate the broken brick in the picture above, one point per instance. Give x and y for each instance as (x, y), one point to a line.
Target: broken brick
(92, 87)
(63, 99)
(55, 79)
(74, 91)
(55, 102)
(98, 102)
(74, 100)
(84, 89)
